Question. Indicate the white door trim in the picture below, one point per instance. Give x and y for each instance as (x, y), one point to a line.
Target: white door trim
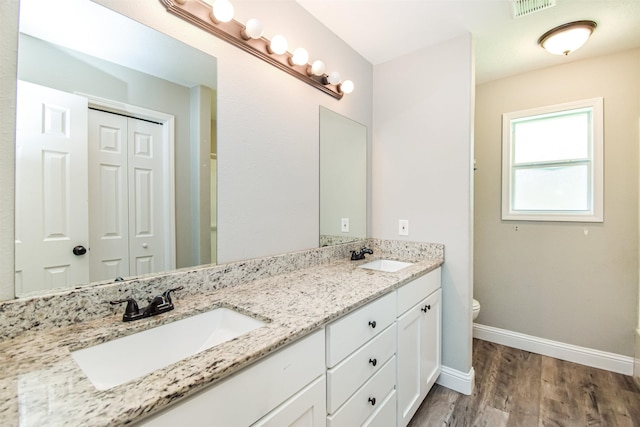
(168, 141)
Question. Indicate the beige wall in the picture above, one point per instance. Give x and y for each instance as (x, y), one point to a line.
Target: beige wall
(550, 279)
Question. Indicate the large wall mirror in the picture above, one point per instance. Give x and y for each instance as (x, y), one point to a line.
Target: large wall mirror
(343, 179)
(131, 85)
(115, 149)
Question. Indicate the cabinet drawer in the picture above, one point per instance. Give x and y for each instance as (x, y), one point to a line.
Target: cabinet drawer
(361, 405)
(418, 289)
(347, 334)
(346, 377)
(385, 415)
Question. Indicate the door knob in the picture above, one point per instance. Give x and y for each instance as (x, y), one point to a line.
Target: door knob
(79, 250)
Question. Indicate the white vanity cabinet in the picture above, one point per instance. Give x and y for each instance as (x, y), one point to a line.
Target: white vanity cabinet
(361, 364)
(419, 342)
(286, 388)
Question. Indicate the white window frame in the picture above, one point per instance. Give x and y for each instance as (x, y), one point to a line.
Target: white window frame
(595, 213)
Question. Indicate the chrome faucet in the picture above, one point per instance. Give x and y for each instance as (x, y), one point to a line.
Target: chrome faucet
(160, 304)
(358, 255)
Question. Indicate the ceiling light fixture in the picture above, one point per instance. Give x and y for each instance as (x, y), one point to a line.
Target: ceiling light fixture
(567, 38)
(217, 19)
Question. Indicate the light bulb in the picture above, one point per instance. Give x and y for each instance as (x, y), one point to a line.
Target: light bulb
(346, 86)
(334, 78)
(222, 11)
(300, 56)
(253, 29)
(278, 44)
(317, 68)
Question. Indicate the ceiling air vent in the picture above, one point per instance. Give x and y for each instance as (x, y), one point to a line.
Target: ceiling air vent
(527, 7)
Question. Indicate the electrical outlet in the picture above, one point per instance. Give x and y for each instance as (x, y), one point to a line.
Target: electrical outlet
(345, 225)
(403, 227)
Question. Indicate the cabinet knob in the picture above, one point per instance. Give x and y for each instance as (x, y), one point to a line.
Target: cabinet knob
(426, 308)
(372, 400)
(372, 324)
(374, 362)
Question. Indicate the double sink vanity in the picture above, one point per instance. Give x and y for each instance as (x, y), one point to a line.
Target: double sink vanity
(309, 337)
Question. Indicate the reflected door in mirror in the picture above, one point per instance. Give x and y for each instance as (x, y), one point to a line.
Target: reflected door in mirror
(51, 189)
(125, 204)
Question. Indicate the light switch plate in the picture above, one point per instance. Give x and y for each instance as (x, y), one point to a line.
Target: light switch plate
(345, 225)
(403, 227)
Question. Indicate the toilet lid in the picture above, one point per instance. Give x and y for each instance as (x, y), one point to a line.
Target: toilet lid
(476, 304)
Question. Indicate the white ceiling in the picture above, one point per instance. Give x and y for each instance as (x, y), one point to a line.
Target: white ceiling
(382, 30)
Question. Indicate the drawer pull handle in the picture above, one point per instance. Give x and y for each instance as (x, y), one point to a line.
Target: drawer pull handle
(374, 362)
(372, 324)
(426, 308)
(372, 400)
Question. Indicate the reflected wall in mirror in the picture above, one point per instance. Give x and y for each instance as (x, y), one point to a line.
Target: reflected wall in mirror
(115, 149)
(343, 179)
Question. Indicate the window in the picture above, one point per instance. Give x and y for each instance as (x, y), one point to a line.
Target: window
(552, 163)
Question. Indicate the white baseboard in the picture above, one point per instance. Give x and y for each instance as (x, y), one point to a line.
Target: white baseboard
(636, 360)
(462, 382)
(571, 353)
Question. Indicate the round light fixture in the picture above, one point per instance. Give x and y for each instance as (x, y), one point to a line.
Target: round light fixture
(346, 87)
(253, 29)
(300, 56)
(567, 38)
(278, 44)
(222, 11)
(317, 68)
(334, 78)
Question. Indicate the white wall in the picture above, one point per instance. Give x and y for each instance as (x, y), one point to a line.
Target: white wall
(8, 60)
(268, 173)
(422, 155)
(267, 127)
(550, 279)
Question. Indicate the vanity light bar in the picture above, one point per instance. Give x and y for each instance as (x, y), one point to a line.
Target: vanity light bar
(199, 14)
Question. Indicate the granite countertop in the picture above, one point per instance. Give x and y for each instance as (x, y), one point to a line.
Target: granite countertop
(41, 385)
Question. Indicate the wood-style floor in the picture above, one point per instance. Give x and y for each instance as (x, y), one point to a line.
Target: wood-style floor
(521, 389)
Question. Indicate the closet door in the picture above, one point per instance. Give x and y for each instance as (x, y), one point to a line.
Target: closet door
(126, 198)
(146, 198)
(108, 200)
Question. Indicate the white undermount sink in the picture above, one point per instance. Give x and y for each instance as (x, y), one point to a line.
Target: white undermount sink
(124, 359)
(387, 265)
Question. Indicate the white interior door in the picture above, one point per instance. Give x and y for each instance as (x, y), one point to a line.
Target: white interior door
(146, 198)
(108, 202)
(51, 189)
(126, 204)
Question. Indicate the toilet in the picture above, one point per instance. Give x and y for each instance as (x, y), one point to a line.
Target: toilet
(475, 308)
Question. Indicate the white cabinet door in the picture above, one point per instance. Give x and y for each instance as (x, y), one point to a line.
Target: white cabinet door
(432, 341)
(305, 409)
(409, 358)
(247, 396)
(419, 348)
